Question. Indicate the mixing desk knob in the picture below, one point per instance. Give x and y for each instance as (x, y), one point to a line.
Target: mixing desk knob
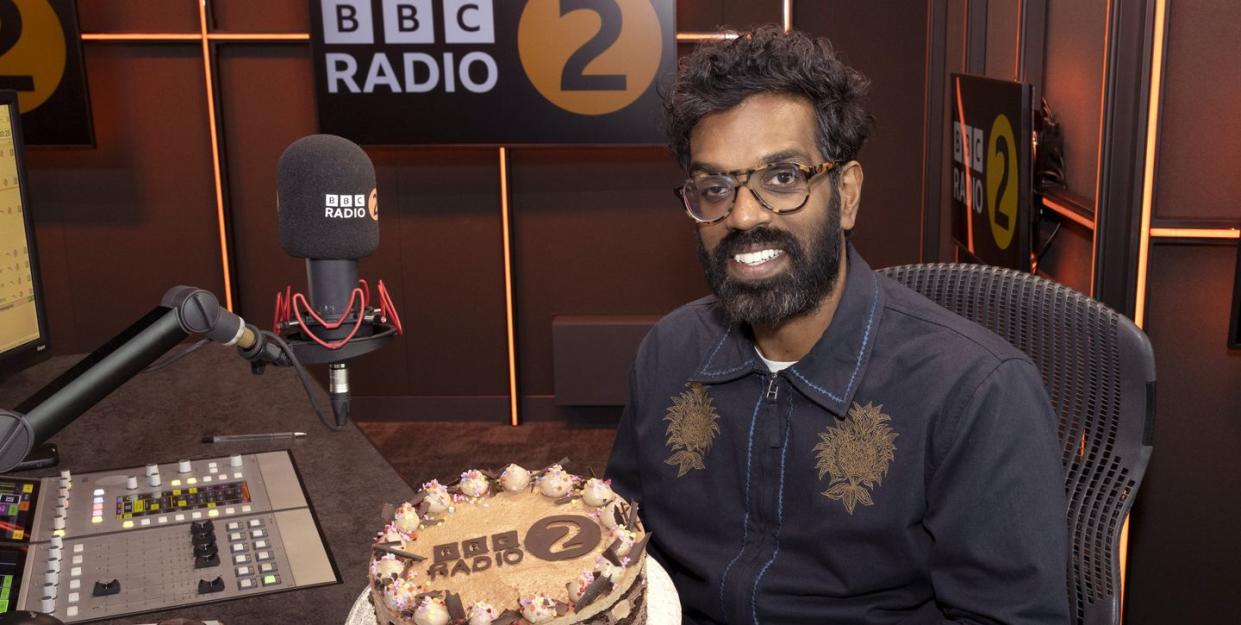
(51, 578)
(131, 482)
(66, 479)
(205, 551)
(234, 460)
(154, 479)
(61, 509)
(53, 566)
(58, 522)
(184, 466)
(63, 492)
(49, 605)
(152, 469)
(58, 542)
(54, 552)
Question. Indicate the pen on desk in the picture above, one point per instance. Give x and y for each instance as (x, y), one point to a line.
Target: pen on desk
(237, 438)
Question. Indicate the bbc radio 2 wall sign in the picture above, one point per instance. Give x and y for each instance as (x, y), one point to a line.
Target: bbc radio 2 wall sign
(41, 59)
(992, 168)
(492, 71)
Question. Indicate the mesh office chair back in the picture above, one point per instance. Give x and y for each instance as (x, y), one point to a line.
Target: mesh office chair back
(1099, 371)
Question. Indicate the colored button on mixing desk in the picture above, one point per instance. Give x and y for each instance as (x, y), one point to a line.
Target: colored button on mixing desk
(246, 583)
(271, 580)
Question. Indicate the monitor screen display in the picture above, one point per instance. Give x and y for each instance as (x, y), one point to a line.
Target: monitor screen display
(22, 327)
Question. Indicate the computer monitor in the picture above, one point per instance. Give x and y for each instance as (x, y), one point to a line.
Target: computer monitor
(23, 322)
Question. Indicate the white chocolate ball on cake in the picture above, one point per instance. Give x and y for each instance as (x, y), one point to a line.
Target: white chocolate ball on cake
(474, 483)
(578, 587)
(399, 595)
(538, 608)
(623, 539)
(437, 497)
(609, 570)
(387, 567)
(555, 482)
(431, 611)
(596, 492)
(392, 534)
(406, 518)
(608, 514)
(482, 613)
(514, 478)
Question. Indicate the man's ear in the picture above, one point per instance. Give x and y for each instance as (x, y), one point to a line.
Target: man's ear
(850, 190)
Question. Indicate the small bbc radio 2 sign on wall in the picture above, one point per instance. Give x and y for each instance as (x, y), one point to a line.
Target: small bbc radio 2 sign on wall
(393, 72)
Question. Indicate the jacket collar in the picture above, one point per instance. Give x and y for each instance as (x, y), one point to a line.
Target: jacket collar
(830, 374)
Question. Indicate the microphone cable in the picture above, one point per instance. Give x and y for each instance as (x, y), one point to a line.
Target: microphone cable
(169, 360)
(303, 377)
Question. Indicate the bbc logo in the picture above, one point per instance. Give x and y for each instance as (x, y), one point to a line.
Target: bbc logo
(332, 200)
(408, 21)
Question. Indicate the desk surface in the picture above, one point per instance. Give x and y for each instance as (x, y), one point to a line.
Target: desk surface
(161, 417)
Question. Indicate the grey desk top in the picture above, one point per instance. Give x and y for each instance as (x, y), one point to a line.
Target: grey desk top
(161, 416)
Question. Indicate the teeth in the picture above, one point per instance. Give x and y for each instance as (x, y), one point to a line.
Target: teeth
(757, 258)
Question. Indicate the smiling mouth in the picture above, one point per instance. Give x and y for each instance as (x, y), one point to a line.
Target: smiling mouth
(758, 257)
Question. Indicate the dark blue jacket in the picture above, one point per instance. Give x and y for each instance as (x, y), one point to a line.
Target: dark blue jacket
(905, 471)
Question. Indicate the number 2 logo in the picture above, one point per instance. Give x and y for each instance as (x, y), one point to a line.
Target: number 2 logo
(590, 57)
(32, 51)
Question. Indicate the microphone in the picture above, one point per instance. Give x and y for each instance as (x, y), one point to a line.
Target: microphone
(328, 214)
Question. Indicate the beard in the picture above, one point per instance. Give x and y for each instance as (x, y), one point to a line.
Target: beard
(812, 273)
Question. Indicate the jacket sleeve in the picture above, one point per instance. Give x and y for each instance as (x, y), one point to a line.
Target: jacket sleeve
(996, 506)
(624, 465)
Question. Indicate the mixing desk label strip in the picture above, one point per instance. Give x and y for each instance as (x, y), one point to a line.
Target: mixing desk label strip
(99, 545)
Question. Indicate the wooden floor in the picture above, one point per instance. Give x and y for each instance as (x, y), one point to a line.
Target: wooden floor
(420, 451)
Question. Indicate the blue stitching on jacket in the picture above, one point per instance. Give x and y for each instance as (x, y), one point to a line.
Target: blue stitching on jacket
(779, 518)
(744, 365)
(857, 366)
(745, 527)
(716, 350)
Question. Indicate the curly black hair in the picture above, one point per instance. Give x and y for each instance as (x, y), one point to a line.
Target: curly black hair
(718, 75)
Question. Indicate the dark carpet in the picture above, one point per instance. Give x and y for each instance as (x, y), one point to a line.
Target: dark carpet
(420, 451)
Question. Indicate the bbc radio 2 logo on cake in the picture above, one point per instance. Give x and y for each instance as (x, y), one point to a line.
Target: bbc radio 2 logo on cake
(405, 22)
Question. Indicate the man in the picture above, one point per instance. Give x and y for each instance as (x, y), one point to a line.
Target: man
(817, 444)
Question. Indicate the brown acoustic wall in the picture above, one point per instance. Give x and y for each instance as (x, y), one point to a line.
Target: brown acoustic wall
(595, 231)
(120, 223)
(1184, 539)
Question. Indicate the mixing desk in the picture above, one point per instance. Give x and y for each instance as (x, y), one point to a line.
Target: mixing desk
(89, 546)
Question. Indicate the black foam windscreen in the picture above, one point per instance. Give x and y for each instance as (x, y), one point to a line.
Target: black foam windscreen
(326, 200)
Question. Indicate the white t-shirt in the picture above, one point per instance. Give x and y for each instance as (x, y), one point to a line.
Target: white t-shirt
(774, 365)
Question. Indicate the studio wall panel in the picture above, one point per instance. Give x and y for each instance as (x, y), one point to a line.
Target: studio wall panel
(1003, 34)
(889, 228)
(596, 232)
(268, 16)
(1182, 555)
(1067, 259)
(137, 212)
(1199, 129)
(138, 16)
(709, 15)
(1073, 85)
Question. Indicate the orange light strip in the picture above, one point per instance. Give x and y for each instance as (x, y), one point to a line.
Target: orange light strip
(720, 36)
(1020, 30)
(1098, 176)
(215, 155)
(1148, 166)
(140, 37)
(259, 36)
(965, 166)
(1195, 233)
(1068, 213)
(1144, 229)
(508, 289)
(786, 15)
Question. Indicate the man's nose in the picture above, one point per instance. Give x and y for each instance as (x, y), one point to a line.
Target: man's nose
(747, 211)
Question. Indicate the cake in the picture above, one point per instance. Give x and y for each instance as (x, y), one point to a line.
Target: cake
(514, 547)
